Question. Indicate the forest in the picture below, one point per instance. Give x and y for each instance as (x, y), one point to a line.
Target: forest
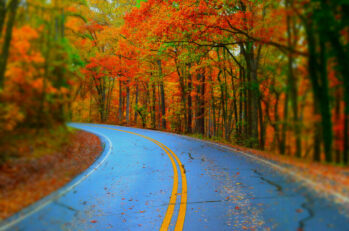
(264, 74)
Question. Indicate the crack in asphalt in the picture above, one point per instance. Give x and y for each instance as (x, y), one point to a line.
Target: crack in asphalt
(306, 206)
(277, 186)
(66, 206)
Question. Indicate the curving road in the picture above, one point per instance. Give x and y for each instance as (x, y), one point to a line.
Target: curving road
(150, 180)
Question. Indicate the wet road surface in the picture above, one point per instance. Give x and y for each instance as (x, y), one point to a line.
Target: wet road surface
(150, 180)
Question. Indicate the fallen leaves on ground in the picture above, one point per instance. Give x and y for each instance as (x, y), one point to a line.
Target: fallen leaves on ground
(329, 178)
(25, 180)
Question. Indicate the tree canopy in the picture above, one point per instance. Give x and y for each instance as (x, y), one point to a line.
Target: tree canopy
(267, 74)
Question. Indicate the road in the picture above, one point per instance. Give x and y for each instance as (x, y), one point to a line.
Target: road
(151, 180)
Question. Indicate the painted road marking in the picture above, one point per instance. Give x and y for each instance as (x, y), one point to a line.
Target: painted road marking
(183, 203)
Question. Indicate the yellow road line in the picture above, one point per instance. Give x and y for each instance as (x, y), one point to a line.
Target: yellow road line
(183, 203)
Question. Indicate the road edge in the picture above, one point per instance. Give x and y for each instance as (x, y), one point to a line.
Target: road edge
(341, 198)
(26, 212)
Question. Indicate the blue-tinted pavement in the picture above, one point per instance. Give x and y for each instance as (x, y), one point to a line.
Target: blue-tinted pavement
(129, 188)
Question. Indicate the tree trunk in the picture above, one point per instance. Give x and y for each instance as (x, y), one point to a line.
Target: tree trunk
(246, 108)
(325, 104)
(90, 109)
(210, 123)
(162, 95)
(109, 97)
(153, 109)
(214, 117)
(189, 116)
(291, 81)
(337, 116)
(240, 123)
(321, 98)
(317, 136)
(254, 104)
(261, 126)
(253, 94)
(13, 5)
(2, 15)
(284, 126)
(102, 101)
(136, 105)
(346, 138)
(340, 50)
(200, 102)
(235, 108)
(120, 102)
(224, 99)
(183, 95)
(42, 111)
(127, 104)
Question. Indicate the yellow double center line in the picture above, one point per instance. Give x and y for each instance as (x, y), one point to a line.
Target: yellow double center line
(171, 206)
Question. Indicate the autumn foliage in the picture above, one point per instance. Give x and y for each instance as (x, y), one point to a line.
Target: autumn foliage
(268, 74)
(38, 66)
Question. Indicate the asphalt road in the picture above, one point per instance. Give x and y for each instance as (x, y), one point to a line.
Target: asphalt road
(150, 180)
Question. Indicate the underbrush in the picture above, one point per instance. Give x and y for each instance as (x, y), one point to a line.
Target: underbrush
(32, 143)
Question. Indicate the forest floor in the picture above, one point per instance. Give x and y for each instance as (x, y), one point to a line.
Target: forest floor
(44, 162)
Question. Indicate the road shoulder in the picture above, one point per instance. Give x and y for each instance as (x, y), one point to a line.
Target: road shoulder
(27, 180)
